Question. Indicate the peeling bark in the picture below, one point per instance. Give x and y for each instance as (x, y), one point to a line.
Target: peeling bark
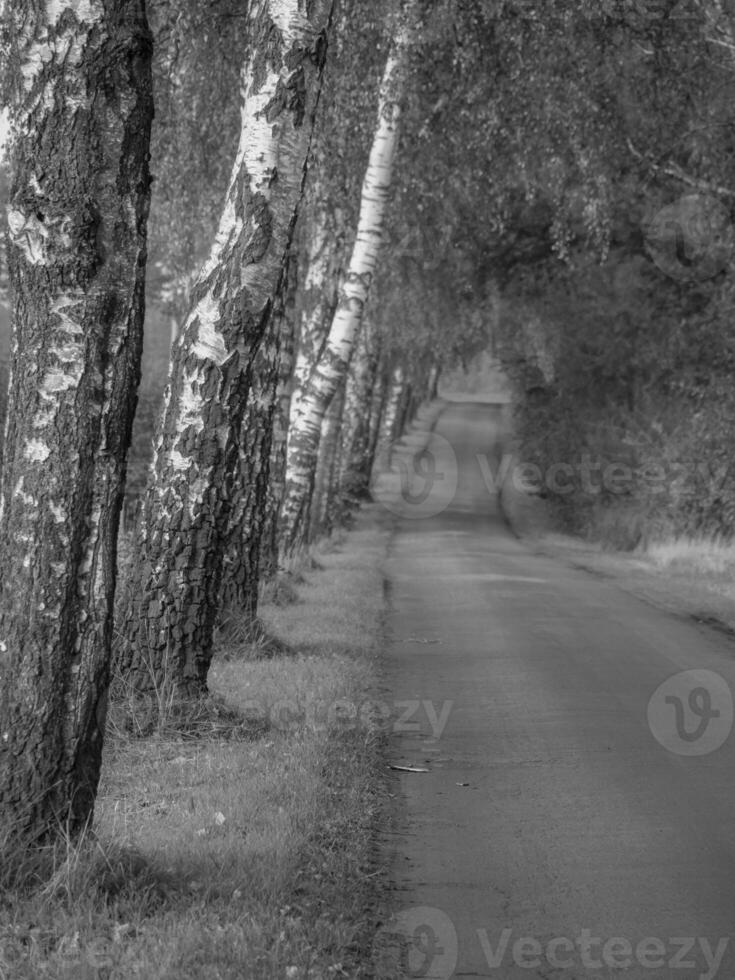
(332, 364)
(173, 599)
(81, 110)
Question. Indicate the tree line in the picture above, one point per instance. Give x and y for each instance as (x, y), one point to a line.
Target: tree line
(333, 205)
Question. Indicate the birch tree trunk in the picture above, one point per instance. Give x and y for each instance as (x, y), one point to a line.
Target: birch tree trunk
(268, 567)
(319, 298)
(389, 421)
(326, 488)
(81, 108)
(404, 412)
(354, 475)
(332, 365)
(377, 412)
(433, 383)
(239, 593)
(173, 599)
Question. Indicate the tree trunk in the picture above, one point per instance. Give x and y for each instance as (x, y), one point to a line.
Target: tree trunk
(324, 502)
(433, 382)
(279, 433)
(378, 408)
(249, 497)
(82, 107)
(405, 411)
(389, 422)
(174, 597)
(319, 297)
(332, 365)
(354, 476)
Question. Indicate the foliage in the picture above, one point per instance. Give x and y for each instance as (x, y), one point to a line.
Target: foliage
(198, 56)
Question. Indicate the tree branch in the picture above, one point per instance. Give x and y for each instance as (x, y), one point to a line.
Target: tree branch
(673, 170)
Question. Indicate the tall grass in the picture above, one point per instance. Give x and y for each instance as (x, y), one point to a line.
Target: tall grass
(706, 555)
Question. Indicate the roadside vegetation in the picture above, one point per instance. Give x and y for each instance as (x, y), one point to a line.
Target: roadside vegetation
(582, 235)
(234, 840)
(688, 575)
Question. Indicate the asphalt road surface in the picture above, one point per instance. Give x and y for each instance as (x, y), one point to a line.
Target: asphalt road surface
(577, 818)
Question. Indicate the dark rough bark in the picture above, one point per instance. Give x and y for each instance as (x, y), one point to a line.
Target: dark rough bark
(173, 599)
(268, 568)
(240, 577)
(81, 100)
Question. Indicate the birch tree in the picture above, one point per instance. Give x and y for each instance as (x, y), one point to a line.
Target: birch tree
(322, 512)
(318, 294)
(81, 110)
(331, 367)
(268, 552)
(387, 429)
(356, 462)
(250, 496)
(174, 596)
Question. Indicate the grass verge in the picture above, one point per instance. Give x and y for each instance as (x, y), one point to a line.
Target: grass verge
(686, 576)
(241, 854)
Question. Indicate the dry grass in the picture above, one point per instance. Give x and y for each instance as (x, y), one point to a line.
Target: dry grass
(713, 557)
(231, 852)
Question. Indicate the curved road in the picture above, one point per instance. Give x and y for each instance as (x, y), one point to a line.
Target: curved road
(568, 826)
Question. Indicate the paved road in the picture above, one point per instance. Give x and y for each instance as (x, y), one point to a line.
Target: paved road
(565, 828)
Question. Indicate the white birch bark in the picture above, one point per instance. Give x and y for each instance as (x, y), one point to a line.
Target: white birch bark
(77, 217)
(324, 504)
(321, 269)
(355, 415)
(389, 421)
(354, 469)
(173, 598)
(324, 379)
